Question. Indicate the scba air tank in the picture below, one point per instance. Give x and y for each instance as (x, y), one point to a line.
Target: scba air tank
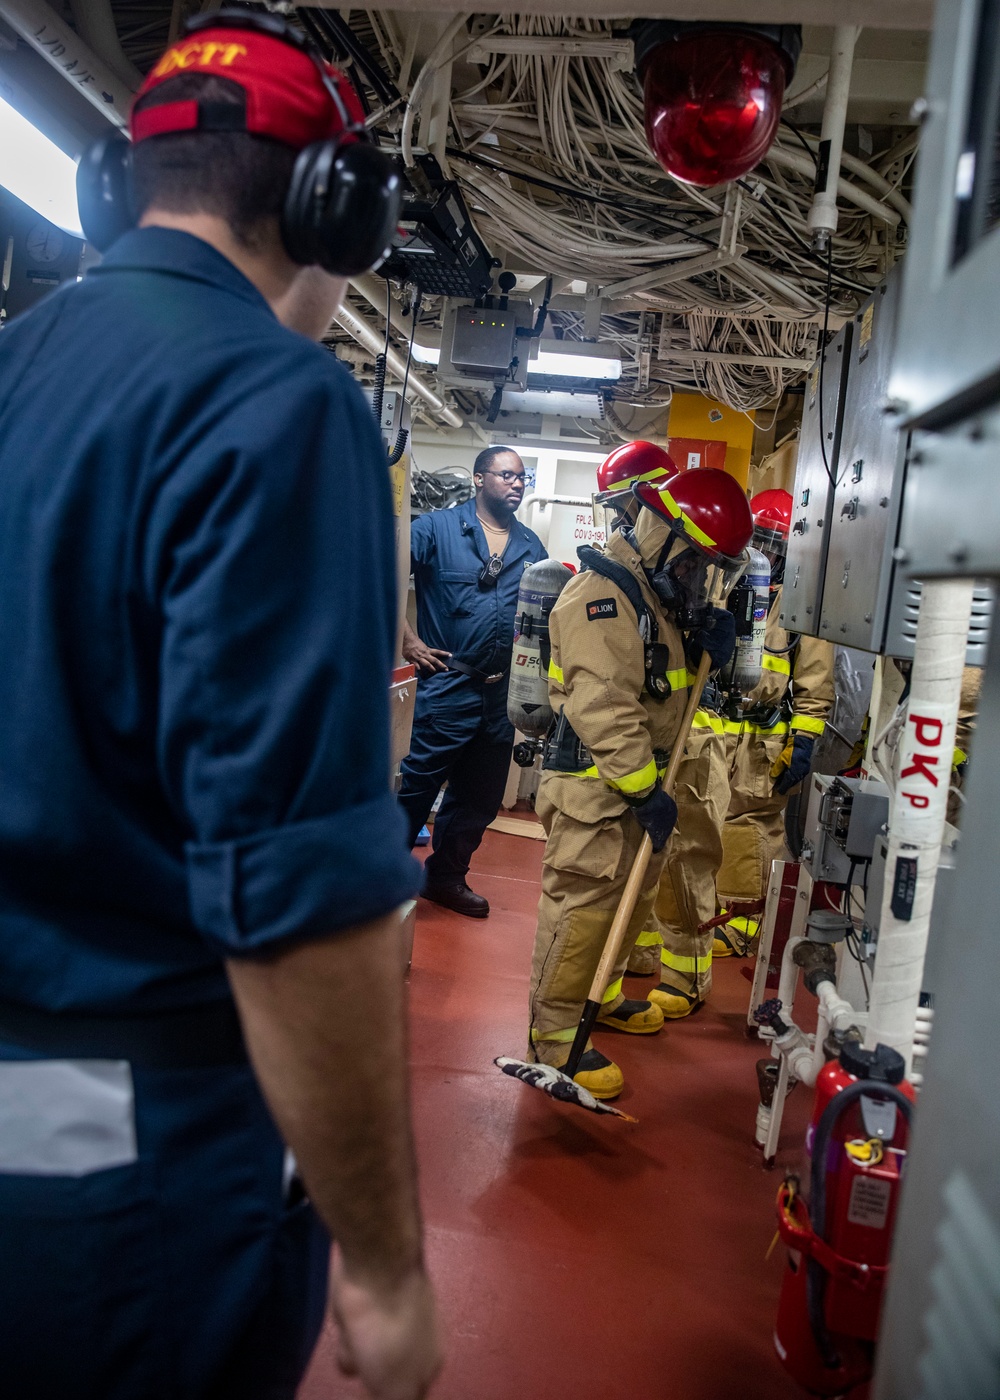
(749, 658)
(528, 695)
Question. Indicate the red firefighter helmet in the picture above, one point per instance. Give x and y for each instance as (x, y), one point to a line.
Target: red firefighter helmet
(708, 507)
(705, 552)
(772, 519)
(630, 464)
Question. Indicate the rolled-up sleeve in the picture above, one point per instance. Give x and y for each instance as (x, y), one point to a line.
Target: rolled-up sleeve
(271, 567)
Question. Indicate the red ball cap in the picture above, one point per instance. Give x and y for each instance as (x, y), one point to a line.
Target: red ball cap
(634, 462)
(286, 96)
(709, 507)
(772, 510)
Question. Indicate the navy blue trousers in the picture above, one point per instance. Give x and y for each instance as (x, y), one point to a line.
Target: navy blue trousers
(462, 737)
(186, 1275)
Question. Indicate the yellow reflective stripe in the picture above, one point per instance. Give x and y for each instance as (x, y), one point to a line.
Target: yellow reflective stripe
(635, 782)
(682, 964)
(781, 664)
(743, 924)
(612, 992)
(737, 726)
(649, 938)
(634, 480)
(680, 679)
(692, 529)
(704, 720)
(556, 673)
(958, 758)
(563, 1037)
(807, 724)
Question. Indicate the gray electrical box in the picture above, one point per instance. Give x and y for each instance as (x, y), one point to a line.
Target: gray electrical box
(481, 348)
(818, 466)
(843, 820)
(864, 519)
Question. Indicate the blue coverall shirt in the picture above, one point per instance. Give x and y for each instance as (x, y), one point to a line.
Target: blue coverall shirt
(448, 549)
(197, 621)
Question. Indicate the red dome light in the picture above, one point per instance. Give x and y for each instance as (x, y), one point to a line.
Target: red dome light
(712, 103)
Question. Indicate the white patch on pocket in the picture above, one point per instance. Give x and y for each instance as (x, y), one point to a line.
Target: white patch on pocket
(66, 1117)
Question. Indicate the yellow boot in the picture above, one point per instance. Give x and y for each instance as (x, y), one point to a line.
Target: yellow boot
(673, 1004)
(633, 1017)
(596, 1072)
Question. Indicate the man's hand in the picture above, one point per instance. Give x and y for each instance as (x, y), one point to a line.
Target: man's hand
(717, 637)
(426, 659)
(793, 763)
(657, 814)
(388, 1337)
(340, 1098)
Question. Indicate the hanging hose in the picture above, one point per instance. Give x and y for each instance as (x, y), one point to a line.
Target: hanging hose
(381, 361)
(402, 437)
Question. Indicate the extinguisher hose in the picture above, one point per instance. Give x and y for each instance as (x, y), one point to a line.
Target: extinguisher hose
(815, 1273)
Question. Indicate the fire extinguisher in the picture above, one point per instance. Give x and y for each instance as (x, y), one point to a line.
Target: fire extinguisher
(831, 1295)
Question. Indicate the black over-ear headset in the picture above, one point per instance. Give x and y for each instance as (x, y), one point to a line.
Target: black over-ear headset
(343, 200)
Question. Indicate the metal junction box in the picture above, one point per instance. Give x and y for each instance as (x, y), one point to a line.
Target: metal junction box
(843, 820)
(865, 515)
(822, 420)
(481, 348)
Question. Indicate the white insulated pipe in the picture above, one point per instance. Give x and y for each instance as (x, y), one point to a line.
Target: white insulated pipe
(61, 46)
(840, 1014)
(370, 338)
(917, 818)
(822, 219)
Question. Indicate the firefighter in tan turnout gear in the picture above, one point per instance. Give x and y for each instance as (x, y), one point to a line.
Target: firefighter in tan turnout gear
(770, 746)
(618, 681)
(672, 945)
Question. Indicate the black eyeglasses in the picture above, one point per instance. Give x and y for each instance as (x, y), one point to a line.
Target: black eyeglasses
(507, 477)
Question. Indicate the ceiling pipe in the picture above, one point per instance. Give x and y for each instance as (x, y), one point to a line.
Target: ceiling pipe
(793, 160)
(96, 26)
(63, 48)
(372, 340)
(372, 288)
(822, 220)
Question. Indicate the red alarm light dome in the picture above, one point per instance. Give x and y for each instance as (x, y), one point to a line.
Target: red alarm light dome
(713, 101)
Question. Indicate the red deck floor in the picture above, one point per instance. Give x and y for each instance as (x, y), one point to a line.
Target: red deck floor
(575, 1257)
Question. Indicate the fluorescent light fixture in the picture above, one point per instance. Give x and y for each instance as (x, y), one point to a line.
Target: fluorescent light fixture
(37, 172)
(426, 354)
(554, 357)
(576, 359)
(559, 401)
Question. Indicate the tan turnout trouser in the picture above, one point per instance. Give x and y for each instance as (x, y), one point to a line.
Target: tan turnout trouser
(586, 866)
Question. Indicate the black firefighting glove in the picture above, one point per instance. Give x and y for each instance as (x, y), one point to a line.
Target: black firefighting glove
(793, 763)
(657, 813)
(718, 638)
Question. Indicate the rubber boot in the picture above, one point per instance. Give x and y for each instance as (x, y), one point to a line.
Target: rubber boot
(596, 1072)
(674, 1003)
(644, 959)
(632, 1017)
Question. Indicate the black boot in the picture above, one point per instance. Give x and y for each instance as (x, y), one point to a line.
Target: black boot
(459, 897)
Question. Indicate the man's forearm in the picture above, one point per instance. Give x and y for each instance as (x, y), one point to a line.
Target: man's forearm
(338, 1087)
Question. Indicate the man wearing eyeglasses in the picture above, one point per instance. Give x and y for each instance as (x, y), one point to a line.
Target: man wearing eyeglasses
(467, 567)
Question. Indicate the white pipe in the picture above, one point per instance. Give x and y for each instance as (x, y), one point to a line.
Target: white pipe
(878, 182)
(917, 818)
(822, 218)
(367, 336)
(61, 46)
(789, 977)
(839, 1013)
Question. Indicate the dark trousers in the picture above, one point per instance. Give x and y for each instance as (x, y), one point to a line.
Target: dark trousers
(188, 1274)
(461, 737)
